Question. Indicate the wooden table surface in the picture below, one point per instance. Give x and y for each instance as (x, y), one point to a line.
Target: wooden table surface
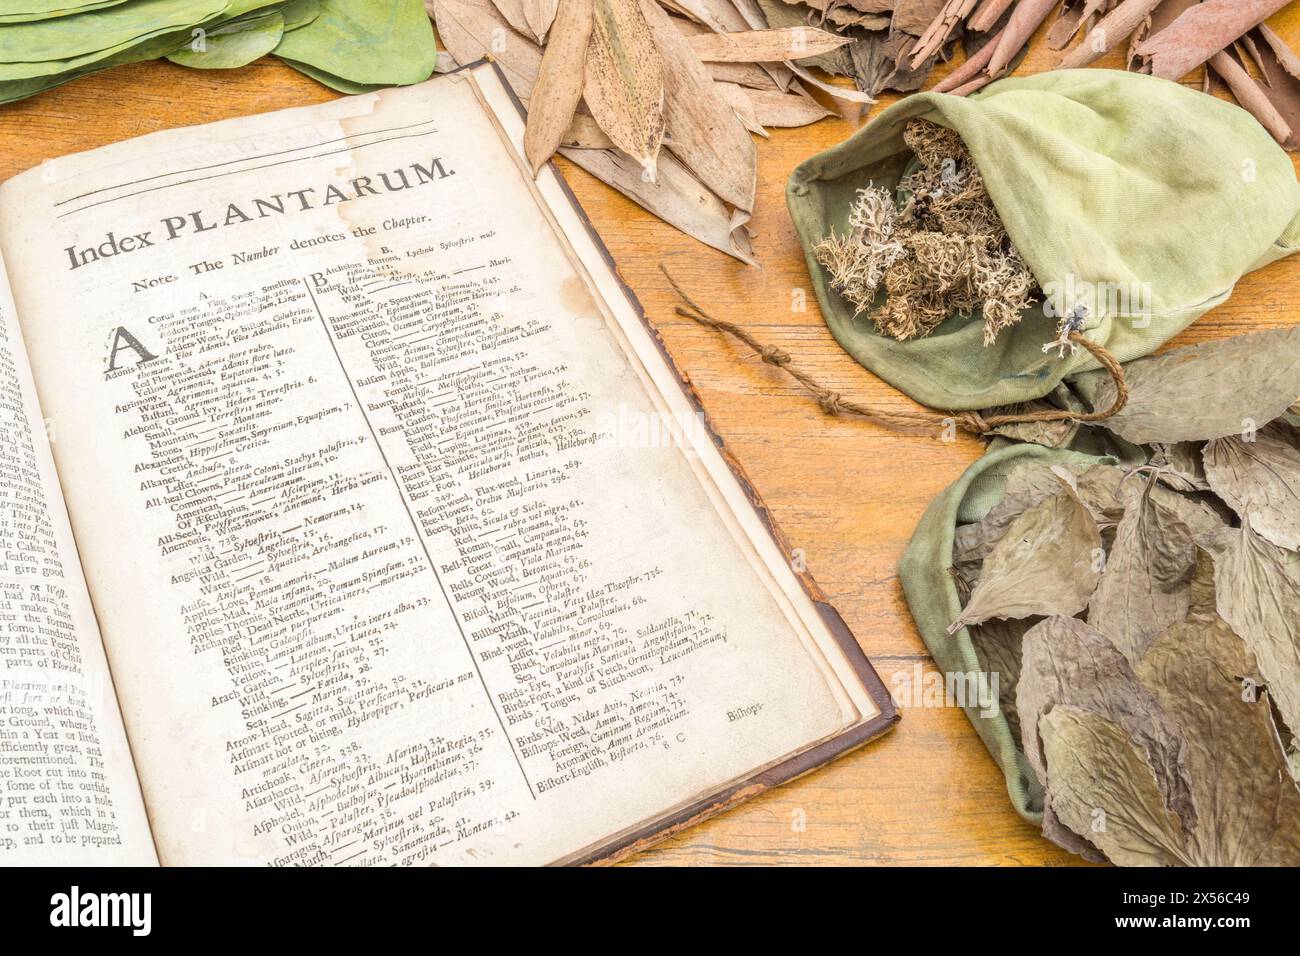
(846, 492)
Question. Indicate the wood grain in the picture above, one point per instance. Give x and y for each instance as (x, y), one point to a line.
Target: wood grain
(847, 493)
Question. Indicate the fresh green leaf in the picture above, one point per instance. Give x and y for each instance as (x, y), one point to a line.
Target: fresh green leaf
(387, 42)
(233, 44)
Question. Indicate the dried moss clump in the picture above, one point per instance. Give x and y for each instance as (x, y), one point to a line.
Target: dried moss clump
(945, 251)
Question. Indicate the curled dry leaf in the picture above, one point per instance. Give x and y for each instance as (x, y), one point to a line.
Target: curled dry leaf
(1068, 663)
(1144, 588)
(1027, 485)
(759, 46)
(1258, 594)
(471, 29)
(625, 83)
(1202, 391)
(1046, 563)
(1260, 479)
(555, 98)
(1178, 465)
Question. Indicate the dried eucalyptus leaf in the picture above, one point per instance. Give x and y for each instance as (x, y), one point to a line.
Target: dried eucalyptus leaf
(1258, 594)
(541, 15)
(1260, 479)
(299, 13)
(1144, 588)
(156, 43)
(1202, 391)
(1046, 563)
(797, 108)
(707, 136)
(473, 29)
(1102, 787)
(998, 646)
(761, 46)
(513, 11)
(1248, 807)
(625, 83)
(676, 196)
(1066, 662)
(333, 82)
(743, 106)
(558, 92)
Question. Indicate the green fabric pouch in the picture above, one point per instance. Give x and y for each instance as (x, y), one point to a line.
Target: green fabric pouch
(1131, 196)
(933, 600)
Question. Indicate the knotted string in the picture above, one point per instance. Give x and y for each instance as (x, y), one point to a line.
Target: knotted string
(927, 420)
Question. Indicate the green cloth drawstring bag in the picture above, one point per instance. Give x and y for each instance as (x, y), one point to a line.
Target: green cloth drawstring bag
(1134, 197)
(933, 600)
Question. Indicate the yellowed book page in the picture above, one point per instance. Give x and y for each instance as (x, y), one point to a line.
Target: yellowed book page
(392, 561)
(68, 790)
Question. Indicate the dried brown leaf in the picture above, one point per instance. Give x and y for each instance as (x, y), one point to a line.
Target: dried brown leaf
(1102, 788)
(1046, 563)
(625, 82)
(676, 196)
(470, 28)
(473, 29)
(1258, 594)
(1259, 478)
(1202, 391)
(1067, 663)
(1247, 804)
(540, 15)
(1178, 465)
(773, 108)
(757, 46)
(558, 92)
(513, 12)
(743, 105)
(1144, 588)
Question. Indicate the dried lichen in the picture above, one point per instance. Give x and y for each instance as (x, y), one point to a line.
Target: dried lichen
(944, 252)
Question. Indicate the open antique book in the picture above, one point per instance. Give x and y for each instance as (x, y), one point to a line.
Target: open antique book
(377, 528)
